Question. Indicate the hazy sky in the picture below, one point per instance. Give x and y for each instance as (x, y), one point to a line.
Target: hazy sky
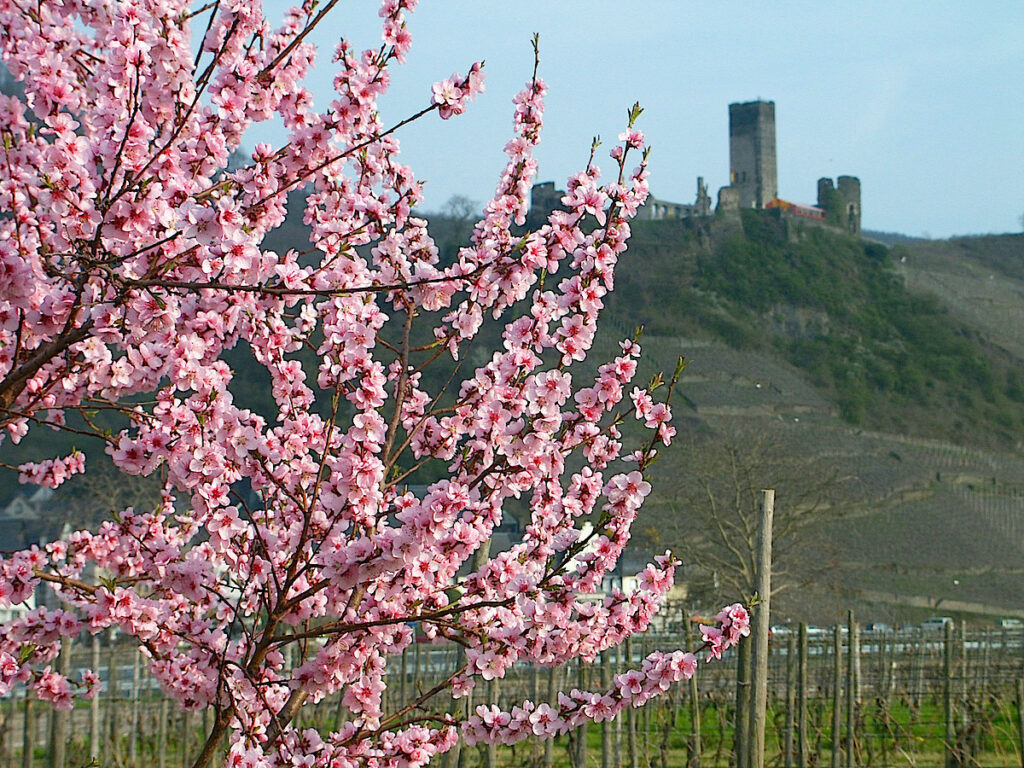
(924, 101)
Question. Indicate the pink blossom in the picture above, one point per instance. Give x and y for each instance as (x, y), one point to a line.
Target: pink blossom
(135, 273)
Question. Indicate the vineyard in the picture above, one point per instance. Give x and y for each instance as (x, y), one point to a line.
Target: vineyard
(880, 697)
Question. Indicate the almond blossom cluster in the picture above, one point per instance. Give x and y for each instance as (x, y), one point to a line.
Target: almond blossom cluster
(52, 473)
(732, 623)
(288, 557)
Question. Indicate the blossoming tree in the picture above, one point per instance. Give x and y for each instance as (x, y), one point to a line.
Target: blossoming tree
(131, 260)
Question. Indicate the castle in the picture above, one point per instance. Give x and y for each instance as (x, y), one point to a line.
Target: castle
(753, 180)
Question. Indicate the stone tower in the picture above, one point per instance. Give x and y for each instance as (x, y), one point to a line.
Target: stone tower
(849, 188)
(841, 201)
(753, 170)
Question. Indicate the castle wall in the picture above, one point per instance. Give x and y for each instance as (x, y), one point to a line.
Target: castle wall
(728, 200)
(655, 209)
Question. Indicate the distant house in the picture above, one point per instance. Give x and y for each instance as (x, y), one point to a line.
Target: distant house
(30, 518)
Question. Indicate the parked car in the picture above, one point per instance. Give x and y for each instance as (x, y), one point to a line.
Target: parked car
(1005, 623)
(936, 623)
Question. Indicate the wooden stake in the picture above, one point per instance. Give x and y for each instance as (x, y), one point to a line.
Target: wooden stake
(1020, 719)
(947, 699)
(59, 720)
(741, 726)
(632, 756)
(94, 706)
(694, 742)
(606, 726)
(762, 622)
(28, 741)
(133, 736)
(801, 698)
(492, 749)
(851, 690)
(549, 743)
(161, 733)
(790, 700)
(837, 696)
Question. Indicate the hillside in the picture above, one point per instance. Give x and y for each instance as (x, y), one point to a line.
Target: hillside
(895, 370)
(885, 349)
(979, 279)
(892, 373)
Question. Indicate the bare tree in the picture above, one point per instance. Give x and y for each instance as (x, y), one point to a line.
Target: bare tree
(89, 499)
(709, 508)
(452, 227)
(460, 208)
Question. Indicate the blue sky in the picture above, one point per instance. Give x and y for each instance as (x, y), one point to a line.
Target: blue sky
(924, 101)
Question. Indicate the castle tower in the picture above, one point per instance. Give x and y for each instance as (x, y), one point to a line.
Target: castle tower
(753, 169)
(841, 201)
(849, 188)
(826, 188)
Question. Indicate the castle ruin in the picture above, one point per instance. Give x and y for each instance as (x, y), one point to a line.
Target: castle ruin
(753, 181)
(842, 201)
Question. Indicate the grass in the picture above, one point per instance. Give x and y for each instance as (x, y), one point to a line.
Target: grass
(909, 736)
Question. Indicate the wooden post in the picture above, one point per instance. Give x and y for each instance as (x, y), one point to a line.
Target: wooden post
(1020, 719)
(741, 724)
(964, 749)
(94, 706)
(536, 745)
(59, 720)
(986, 663)
(632, 756)
(694, 742)
(620, 652)
(466, 706)
(339, 710)
(133, 736)
(606, 726)
(161, 734)
(644, 714)
(186, 740)
(403, 693)
(12, 711)
(581, 731)
(762, 622)
(837, 696)
(887, 656)
(549, 743)
(492, 749)
(790, 700)
(851, 691)
(417, 668)
(947, 699)
(456, 756)
(801, 698)
(667, 725)
(28, 731)
(858, 678)
(460, 709)
(112, 696)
